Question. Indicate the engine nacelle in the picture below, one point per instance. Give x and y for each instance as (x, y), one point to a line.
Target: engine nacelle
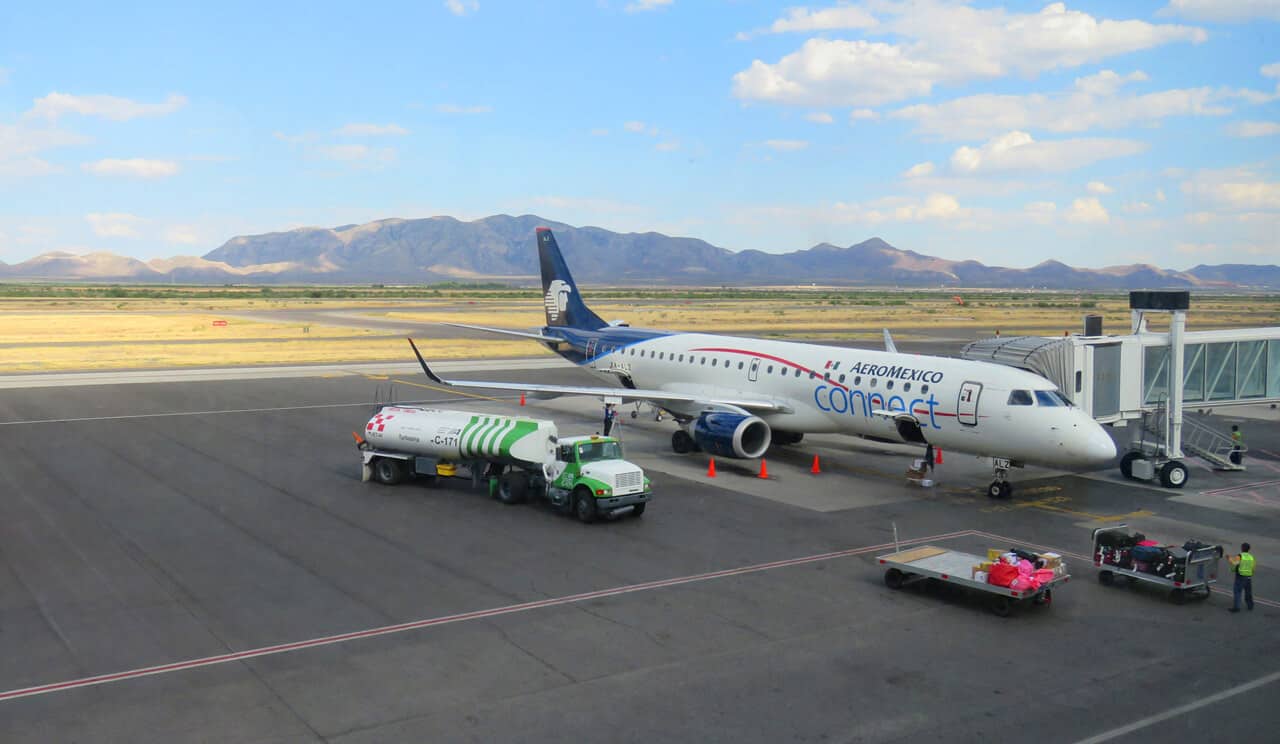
(731, 435)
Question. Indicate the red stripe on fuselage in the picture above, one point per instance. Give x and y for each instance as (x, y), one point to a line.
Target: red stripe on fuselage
(773, 358)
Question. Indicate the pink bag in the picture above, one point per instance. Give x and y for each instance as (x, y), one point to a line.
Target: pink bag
(1150, 543)
(1025, 568)
(1044, 575)
(1024, 584)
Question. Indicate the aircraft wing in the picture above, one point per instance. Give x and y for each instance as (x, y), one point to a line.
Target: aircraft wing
(659, 396)
(506, 332)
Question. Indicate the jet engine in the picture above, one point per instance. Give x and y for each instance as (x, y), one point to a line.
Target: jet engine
(731, 435)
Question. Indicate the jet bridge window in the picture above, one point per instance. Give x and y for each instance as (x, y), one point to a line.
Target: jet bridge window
(1049, 398)
(1020, 398)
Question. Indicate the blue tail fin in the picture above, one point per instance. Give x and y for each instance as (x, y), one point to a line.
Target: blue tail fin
(562, 301)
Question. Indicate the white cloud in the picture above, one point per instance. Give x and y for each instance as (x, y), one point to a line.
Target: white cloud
(1098, 187)
(1018, 151)
(1088, 210)
(641, 6)
(937, 207)
(670, 146)
(1041, 212)
(114, 224)
(862, 114)
(453, 108)
(19, 146)
(131, 167)
(946, 43)
(1272, 70)
(371, 130)
(826, 19)
(1253, 129)
(356, 153)
(1137, 207)
(1093, 102)
(599, 132)
(1239, 189)
(820, 117)
(182, 234)
(1223, 11)
(296, 139)
(462, 7)
(786, 145)
(56, 104)
(1160, 197)
(918, 170)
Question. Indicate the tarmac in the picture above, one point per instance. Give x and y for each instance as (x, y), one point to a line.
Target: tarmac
(191, 556)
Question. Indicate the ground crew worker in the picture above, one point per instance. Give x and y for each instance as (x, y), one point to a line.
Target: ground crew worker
(1243, 565)
(610, 415)
(1237, 445)
(928, 457)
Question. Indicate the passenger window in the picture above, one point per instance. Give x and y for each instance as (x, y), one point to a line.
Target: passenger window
(1020, 398)
(924, 389)
(633, 352)
(857, 380)
(661, 354)
(889, 384)
(841, 378)
(714, 361)
(681, 359)
(797, 372)
(704, 360)
(740, 364)
(906, 387)
(769, 370)
(1048, 398)
(873, 382)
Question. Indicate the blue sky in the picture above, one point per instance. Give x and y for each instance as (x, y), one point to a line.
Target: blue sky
(1092, 133)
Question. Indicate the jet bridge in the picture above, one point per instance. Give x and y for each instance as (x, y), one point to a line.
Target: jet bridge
(1148, 378)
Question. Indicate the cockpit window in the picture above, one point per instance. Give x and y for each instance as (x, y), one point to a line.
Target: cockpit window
(1051, 398)
(1020, 398)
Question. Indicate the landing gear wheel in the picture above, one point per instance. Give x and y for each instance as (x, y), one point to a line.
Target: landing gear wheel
(1173, 474)
(1001, 606)
(635, 414)
(1106, 578)
(1000, 490)
(584, 506)
(1126, 463)
(893, 578)
(682, 443)
(388, 471)
(512, 488)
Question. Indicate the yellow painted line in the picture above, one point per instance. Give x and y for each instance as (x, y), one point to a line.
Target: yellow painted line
(377, 377)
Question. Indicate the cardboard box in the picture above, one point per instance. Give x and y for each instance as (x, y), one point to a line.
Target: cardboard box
(993, 554)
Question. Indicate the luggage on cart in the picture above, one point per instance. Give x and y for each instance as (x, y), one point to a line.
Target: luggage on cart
(1191, 567)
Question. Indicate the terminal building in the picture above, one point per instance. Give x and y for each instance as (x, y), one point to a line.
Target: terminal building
(1144, 380)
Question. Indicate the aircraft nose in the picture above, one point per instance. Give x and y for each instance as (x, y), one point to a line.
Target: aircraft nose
(1098, 446)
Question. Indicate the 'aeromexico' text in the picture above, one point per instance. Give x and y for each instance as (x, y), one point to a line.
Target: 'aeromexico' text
(895, 371)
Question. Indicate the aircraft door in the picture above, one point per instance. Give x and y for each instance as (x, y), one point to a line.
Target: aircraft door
(754, 370)
(967, 404)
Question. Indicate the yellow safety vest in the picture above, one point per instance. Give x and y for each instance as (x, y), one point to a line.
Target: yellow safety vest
(1246, 565)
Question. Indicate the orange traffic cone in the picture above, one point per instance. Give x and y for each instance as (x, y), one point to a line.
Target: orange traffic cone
(764, 468)
(937, 456)
(711, 469)
(815, 469)
(521, 398)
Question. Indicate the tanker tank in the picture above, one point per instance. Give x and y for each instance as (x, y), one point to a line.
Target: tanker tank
(459, 436)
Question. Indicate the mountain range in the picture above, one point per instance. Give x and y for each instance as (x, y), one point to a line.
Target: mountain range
(502, 248)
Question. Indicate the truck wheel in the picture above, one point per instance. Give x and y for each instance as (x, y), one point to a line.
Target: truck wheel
(584, 505)
(682, 443)
(388, 471)
(512, 488)
(1126, 463)
(1173, 474)
(637, 510)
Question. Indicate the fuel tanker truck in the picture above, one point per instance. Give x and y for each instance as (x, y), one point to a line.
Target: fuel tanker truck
(519, 457)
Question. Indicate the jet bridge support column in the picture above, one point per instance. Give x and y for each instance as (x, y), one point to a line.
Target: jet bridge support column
(1164, 459)
(1177, 325)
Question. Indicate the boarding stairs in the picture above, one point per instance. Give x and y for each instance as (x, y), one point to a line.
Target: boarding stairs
(1198, 438)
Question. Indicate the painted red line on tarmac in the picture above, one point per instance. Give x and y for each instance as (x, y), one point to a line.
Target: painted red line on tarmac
(1089, 560)
(461, 617)
(1244, 487)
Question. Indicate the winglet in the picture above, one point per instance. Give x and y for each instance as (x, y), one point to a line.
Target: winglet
(888, 343)
(434, 377)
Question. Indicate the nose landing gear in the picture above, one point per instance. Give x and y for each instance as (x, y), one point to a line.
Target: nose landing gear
(1000, 488)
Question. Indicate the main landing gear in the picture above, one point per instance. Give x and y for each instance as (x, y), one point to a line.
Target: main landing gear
(1000, 488)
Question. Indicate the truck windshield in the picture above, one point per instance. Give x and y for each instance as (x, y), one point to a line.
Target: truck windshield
(592, 451)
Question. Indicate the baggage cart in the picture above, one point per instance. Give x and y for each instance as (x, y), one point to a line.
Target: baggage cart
(954, 567)
(1190, 575)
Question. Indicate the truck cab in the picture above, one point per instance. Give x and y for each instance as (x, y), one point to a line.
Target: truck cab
(591, 477)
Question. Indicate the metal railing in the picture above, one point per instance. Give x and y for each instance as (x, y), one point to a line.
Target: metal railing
(1198, 438)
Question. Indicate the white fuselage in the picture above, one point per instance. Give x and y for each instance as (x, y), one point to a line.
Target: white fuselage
(962, 405)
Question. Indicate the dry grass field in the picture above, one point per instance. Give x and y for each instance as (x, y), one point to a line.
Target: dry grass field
(63, 333)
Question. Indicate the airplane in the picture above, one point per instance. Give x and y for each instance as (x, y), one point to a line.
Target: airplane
(733, 396)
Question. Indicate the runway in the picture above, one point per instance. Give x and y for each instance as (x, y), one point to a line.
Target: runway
(149, 526)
